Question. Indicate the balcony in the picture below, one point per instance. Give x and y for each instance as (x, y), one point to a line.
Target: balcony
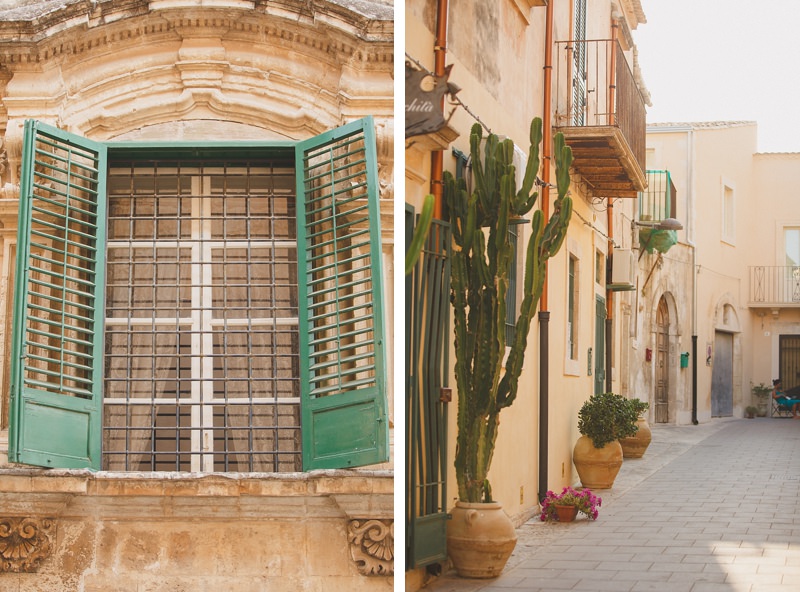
(602, 115)
(774, 286)
(657, 202)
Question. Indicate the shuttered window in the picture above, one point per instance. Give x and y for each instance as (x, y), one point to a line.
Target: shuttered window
(56, 379)
(229, 267)
(579, 65)
(341, 333)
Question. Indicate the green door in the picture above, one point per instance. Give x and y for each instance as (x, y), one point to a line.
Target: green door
(600, 346)
(342, 359)
(57, 340)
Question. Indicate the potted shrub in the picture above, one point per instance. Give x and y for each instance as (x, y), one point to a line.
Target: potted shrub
(750, 411)
(566, 505)
(602, 421)
(486, 381)
(635, 446)
(761, 392)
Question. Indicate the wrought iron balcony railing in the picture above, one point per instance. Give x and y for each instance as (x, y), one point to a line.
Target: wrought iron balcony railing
(657, 202)
(775, 286)
(601, 113)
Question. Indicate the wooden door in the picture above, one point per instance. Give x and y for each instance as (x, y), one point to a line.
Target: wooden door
(662, 363)
(722, 376)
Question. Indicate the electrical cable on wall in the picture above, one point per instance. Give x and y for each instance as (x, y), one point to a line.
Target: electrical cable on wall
(454, 98)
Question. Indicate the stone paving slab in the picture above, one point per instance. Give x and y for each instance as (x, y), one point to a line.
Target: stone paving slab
(709, 508)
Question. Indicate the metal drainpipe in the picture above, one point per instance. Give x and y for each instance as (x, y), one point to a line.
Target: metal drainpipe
(544, 314)
(690, 240)
(439, 55)
(612, 97)
(609, 301)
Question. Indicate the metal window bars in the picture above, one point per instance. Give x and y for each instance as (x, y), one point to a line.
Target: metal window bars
(202, 346)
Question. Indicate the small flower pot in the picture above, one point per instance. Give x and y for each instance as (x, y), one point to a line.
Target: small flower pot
(566, 513)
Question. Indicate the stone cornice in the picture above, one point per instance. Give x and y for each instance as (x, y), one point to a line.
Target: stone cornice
(60, 493)
(79, 28)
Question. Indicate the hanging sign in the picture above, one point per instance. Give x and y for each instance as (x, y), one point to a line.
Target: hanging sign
(424, 94)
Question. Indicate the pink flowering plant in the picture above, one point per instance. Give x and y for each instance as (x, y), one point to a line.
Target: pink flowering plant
(586, 502)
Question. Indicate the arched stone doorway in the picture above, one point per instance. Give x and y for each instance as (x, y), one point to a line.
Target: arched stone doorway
(662, 363)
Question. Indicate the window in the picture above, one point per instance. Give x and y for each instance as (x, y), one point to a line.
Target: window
(579, 65)
(728, 213)
(791, 280)
(791, 241)
(241, 326)
(599, 269)
(512, 310)
(572, 312)
(514, 293)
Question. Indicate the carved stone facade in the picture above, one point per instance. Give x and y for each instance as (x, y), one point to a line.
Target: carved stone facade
(175, 531)
(24, 543)
(181, 70)
(372, 546)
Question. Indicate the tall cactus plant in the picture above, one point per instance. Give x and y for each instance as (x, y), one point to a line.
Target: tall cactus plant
(480, 263)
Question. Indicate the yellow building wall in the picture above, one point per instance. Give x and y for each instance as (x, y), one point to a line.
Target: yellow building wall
(497, 53)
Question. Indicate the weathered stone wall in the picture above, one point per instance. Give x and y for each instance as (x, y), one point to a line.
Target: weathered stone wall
(77, 531)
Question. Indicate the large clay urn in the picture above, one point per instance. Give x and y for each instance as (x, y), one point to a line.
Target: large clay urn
(480, 539)
(597, 467)
(635, 446)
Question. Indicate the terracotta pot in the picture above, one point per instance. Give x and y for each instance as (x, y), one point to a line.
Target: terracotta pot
(565, 513)
(597, 467)
(635, 446)
(480, 539)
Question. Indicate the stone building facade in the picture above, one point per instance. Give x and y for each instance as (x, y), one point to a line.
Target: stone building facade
(189, 123)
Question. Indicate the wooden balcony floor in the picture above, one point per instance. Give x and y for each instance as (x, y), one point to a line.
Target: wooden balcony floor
(605, 161)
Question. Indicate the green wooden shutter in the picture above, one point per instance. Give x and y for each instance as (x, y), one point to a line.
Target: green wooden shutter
(57, 351)
(342, 348)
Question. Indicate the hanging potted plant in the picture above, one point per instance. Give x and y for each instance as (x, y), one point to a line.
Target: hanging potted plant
(635, 446)
(602, 421)
(480, 535)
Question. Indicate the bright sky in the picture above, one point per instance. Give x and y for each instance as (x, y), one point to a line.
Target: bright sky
(724, 60)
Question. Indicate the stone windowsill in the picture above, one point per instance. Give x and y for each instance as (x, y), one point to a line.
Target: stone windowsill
(326, 494)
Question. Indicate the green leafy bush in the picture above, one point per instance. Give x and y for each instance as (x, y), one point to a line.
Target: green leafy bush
(606, 417)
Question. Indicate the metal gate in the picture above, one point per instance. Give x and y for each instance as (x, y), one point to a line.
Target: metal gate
(427, 314)
(789, 366)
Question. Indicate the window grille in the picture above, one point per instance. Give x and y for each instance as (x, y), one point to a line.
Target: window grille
(202, 345)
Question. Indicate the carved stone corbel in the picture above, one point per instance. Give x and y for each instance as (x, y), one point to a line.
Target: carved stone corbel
(24, 543)
(372, 546)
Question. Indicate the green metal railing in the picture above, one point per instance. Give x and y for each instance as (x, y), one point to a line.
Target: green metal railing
(427, 323)
(658, 201)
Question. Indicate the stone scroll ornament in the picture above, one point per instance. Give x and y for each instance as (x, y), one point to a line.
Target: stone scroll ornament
(372, 546)
(24, 543)
(424, 94)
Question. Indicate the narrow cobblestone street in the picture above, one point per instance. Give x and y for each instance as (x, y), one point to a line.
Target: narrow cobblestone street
(709, 508)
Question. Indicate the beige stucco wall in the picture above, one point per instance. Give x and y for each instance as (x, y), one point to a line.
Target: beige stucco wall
(182, 70)
(775, 208)
(704, 159)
